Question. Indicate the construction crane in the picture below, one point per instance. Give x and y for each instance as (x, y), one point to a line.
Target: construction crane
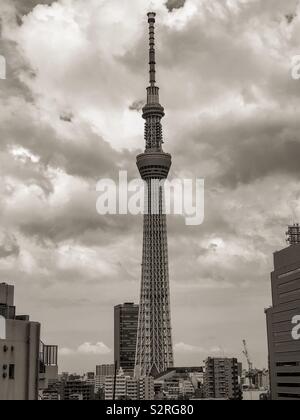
(246, 354)
(250, 364)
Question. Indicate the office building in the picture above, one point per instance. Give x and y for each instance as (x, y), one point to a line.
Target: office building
(102, 371)
(222, 379)
(283, 343)
(19, 351)
(125, 335)
(105, 370)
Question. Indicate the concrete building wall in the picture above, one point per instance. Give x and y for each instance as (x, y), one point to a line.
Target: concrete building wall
(6, 294)
(19, 361)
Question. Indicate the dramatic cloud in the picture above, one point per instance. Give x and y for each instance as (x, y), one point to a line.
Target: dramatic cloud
(70, 115)
(137, 105)
(23, 7)
(175, 4)
(8, 245)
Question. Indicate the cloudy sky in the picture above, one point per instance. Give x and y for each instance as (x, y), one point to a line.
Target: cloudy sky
(70, 115)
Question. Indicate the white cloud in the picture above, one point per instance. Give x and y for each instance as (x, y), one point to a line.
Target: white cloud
(96, 349)
(184, 348)
(87, 349)
(217, 349)
(187, 348)
(64, 351)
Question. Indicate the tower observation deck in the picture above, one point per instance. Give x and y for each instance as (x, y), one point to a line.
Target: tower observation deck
(154, 353)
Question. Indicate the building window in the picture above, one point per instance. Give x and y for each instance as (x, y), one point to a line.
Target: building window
(11, 372)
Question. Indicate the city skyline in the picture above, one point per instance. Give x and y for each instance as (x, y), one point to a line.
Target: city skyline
(239, 125)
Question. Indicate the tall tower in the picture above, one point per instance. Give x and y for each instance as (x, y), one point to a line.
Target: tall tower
(154, 340)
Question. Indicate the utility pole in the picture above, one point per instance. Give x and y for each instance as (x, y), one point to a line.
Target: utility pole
(115, 380)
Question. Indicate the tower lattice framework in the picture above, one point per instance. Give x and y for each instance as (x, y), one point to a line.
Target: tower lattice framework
(154, 341)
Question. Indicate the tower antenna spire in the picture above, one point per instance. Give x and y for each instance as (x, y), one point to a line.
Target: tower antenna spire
(152, 61)
(154, 351)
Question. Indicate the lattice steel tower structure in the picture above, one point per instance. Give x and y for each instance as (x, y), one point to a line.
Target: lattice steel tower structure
(154, 341)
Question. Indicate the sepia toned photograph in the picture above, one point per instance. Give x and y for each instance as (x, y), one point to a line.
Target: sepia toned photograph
(150, 203)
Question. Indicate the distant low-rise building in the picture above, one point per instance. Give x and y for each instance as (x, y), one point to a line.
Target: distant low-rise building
(50, 394)
(132, 389)
(105, 370)
(115, 388)
(76, 390)
(102, 371)
(90, 378)
(261, 379)
(252, 395)
(179, 383)
(146, 389)
(125, 387)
